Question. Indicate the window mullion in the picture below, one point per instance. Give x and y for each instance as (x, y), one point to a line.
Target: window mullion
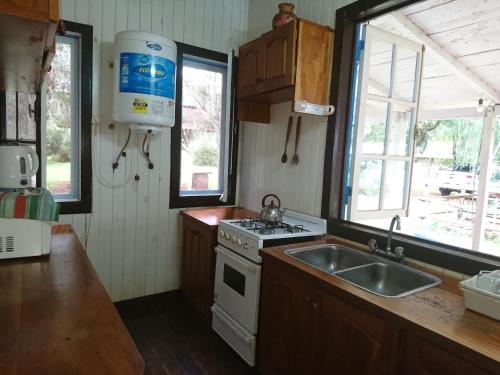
(486, 155)
(388, 130)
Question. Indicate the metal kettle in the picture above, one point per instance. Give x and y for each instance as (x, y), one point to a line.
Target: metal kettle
(15, 169)
(271, 213)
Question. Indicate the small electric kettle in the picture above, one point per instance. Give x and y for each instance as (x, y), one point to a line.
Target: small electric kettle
(15, 169)
(271, 213)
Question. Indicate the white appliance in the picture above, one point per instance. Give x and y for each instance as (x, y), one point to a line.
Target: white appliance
(24, 238)
(144, 80)
(16, 170)
(238, 268)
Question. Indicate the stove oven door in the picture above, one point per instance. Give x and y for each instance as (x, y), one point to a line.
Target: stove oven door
(237, 286)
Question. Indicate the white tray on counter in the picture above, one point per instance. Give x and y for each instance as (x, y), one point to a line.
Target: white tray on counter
(479, 300)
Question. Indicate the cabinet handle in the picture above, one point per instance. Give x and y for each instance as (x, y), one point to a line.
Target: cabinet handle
(309, 300)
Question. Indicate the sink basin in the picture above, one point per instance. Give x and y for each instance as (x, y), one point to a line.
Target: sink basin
(389, 279)
(331, 258)
(367, 272)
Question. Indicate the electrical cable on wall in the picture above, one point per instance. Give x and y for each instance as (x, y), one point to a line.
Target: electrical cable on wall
(145, 149)
(122, 151)
(97, 170)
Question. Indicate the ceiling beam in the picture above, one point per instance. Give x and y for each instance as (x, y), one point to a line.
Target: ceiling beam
(460, 70)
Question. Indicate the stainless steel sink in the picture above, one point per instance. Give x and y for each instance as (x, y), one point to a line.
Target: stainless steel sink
(367, 272)
(331, 258)
(389, 279)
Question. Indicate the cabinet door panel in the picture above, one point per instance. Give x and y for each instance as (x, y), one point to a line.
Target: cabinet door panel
(287, 329)
(198, 265)
(424, 358)
(280, 49)
(250, 68)
(352, 341)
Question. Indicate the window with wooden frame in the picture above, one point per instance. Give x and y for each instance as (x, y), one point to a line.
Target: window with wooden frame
(369, 156)
(384, 119)
(56, 121)
(204, 139)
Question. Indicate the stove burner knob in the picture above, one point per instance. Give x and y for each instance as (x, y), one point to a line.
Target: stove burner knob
(222, 233)
(239, 242)
(228, 236)
(245, 245)
(233, 239)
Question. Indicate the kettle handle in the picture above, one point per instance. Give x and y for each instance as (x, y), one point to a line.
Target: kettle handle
(270, 195)
(34, 160)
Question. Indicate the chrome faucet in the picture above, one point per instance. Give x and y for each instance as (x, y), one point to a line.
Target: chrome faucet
(398, 253)
(396, 219)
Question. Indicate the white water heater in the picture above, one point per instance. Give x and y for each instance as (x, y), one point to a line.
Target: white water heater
(144, 80)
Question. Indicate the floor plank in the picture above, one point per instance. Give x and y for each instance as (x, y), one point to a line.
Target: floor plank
(173, 339)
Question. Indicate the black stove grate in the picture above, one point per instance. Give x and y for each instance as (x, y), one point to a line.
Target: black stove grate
(267, 228)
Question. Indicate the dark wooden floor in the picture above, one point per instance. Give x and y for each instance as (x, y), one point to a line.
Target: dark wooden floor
(173, 339)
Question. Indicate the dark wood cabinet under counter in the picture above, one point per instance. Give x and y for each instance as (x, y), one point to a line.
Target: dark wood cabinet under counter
(321, 324)
(307, 330)
(199, 238)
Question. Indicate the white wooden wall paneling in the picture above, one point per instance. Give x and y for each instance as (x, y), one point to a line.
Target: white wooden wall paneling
(134, 237)
(106, 145)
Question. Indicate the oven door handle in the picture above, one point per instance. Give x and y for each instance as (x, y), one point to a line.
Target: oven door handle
(246, 265)
(232, 327)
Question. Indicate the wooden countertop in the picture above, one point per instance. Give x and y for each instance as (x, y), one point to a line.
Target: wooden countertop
(212, 216)
(436, 312)
(56, 317)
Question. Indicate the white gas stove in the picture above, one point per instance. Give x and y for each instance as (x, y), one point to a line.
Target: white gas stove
(237, 272)
(247, 236)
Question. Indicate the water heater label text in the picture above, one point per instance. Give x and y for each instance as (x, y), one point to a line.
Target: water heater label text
(147, 74)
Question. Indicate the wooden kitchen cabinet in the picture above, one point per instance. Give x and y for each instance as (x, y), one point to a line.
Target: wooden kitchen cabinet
(27, 42)
(288, 323)
(305, 330)
(198, 264)
(251, 68)
(353, 341)
(39, 10)
(279, 57)
(199, 238)
(290, 63)
(421, 357)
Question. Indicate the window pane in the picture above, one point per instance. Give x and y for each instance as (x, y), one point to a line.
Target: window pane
(395, 182)
(26, 116)
(399, 132)
(406, 67)
(202, 138)
(379, 80)
(10, 98)
(59, 114)
(375, 125)
(369, 185)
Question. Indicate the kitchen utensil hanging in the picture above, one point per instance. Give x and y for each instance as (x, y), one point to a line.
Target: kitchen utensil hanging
(295, 158)
(284, 157)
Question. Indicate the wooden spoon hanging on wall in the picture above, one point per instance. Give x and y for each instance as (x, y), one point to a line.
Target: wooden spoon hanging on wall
(284, 157)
